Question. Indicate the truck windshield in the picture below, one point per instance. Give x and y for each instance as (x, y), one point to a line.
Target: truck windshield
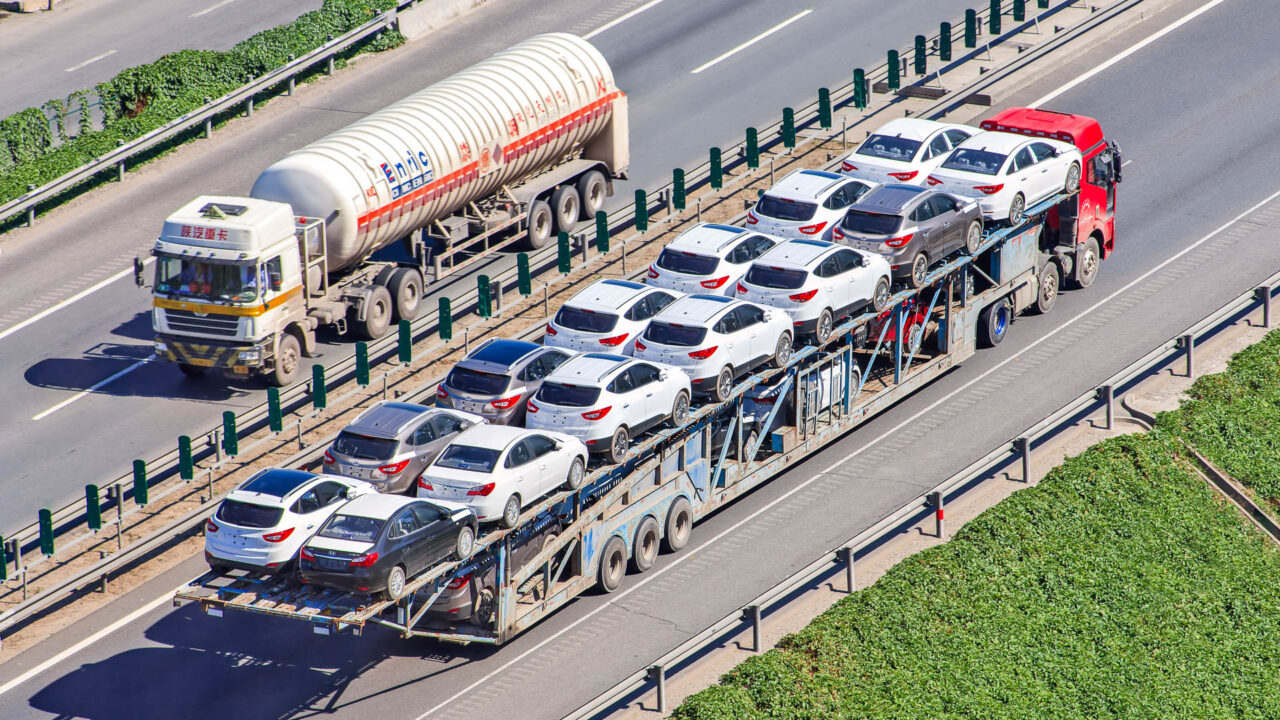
(889, 147)
(207, 281)
(584, 320)
(783, 209)
(687, 262)
(869, 223)
(468, 457)
(975, 161)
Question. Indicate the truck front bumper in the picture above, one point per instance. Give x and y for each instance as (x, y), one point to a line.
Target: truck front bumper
(233, 357)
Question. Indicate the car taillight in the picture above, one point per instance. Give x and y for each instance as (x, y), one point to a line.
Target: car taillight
(550, 330)
(483, 490)
(393, 468)
(305, 554)
(714, 284)
(704, 354)
(532, 408)
(989, 189)
(899, 241)
(506, 403)
(210, 526)
(652, 272)
(597, 414)
(276, 537)
(813, 229)
(804, 296)
(835, 233)
(424, 483)
(933, 180)
(847, 166)
(641, 346)
(751, 218)
(328, 458)
(904, 176)
(459, 582)
(364, 560)
(441, 392)
(742, 288)
(615, 341)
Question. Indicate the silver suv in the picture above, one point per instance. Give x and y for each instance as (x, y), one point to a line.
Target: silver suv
(497, 379)
(391, 443)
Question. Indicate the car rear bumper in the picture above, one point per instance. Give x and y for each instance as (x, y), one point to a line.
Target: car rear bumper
(363, 580)
(240, 564)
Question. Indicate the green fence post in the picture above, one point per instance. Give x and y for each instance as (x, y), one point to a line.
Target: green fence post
(824, 108)
(140, 482)
(319, 394)
(920, 51)
(859, 88)
(944, 42)
(677, 189)
(564, 259)
(1019, 10)
(895, 78)
(642, 211)
(525, 281)
(186, 460)
(362, 368)
(1042, 4)
(971, 28)
(788, 128)
(446, 319)
(4, 560)
(230, 440)
(993, 20)
(484, 296)
(46, 532)
(406, 343)
(92, 507)
(602, 231)
(753, 148)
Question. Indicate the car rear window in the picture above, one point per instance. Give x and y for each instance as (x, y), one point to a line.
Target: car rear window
(687, 262)
(568, 395)
(868, 223)
(352, 527)
(776, 278)
(245, 514)
(783, 209)
(468, 457)
(889, 147)
(585, 320)
(975, 161)
(673, 334)
(363, 447)
(476, 381)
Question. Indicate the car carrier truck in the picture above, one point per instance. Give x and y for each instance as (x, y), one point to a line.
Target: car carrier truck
(509, 150)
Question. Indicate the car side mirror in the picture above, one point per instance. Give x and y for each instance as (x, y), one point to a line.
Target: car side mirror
(866, 261)
(559, 444)
(345, 493)
(768, 316)
(663, 374)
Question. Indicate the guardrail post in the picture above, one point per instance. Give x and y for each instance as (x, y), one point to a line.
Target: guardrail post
(1023, 448)
(115, 494)
(140, 488)
(186, 459)
(860, 93)
(405, 343)
(602, 231)
(1042, 4)
(15, 552)
(939, 515)
(230, 438)
(1106, 394)
(677, 189)
(484, 301)
(120, 165)
(846, 557)
(291, 77)
(895, 80)
(446, 319)
(658, 674)
(716, 173)
(993, 19)
(1019, 10)
(919, 55)
(944, 42)
(788, 128)
(1188, 343)
(31, 211)
(1263, 294)
(525, 278)
(208, 122)
(751, 613)
(971, 28)
(824, 108)
(362, 379)
(564, 259)
(92, 507)
(753, 149)
(642, 212)
(319, 394)
(4, 559)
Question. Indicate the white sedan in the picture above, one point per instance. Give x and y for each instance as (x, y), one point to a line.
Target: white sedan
(498, 470)
(904, 150)
(1008, 173)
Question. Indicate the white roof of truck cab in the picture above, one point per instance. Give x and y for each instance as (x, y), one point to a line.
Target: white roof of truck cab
(225, 228)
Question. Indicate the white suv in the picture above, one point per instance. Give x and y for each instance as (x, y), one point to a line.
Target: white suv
(716, 340)
(607, 315)
(806, 203)
(905, 150)
(605, 400)
(708, 258)
(817, 283)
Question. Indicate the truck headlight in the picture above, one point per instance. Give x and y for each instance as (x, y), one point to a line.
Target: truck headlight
(161, 348)
(253, 355)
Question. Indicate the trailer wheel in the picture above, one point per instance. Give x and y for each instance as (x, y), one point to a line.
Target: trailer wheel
(288, 362)
(613, 564)
(540, 222)
(645, 547)
(592, 191)
(565, 204)
(993, 323)
(395, 583)
(1087, 264)
(405, 287)
(1073, 179)
(377, 314)
(192, 371)
(1050, 283)
(973, 237)
(679, 525)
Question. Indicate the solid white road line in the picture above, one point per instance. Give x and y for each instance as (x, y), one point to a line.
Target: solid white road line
(97, 386)
(753, 40)
(90, 61)
(211, 8)
(620, 20)
(1131, 50)
(63, 303)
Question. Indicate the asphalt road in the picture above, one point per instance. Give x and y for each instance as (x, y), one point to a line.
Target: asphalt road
(81, 43)
(46, 364)
(1198, 209)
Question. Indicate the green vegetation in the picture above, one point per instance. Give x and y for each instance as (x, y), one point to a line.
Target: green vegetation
(1120, 586)
(143, 98)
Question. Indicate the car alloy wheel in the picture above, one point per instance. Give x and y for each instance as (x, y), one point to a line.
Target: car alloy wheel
(880, 299)
(574, 480)
(919, 269)
(782, 353)
(724, 384)
(1073, 178)
(824, 327)
(973, 238)
(620, 443)
(511, 512)
(486, 603)
(1016, 209)
(466, 542)
(395, 583)
(680, 412)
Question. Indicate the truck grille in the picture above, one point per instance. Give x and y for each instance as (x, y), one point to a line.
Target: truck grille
(187, 321)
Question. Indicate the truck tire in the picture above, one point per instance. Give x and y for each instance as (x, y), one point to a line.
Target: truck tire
(192, 371)
(288, 361)
(405, 287)
(566, 206)
(993, 323)
(679, 525)
(1050, 283)
(1087, 260)
(613, 564)
(377, 316)
(592, 191)
(645, 548)
(540, 223)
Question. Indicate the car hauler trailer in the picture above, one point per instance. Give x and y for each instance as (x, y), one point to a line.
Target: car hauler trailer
(622, 513)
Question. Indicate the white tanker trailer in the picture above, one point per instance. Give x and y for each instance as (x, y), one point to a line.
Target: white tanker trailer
(509, 150)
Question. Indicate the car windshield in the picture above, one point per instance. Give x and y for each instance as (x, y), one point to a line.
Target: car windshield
(889, 147)
(687, 262)
(783, 209)
(869, 223)
(776, 278)
(555, 393)
(468, 457)
(585, 320)
(352, 527)
(249, 515)
(673, 334)
(363, 447)
(975, 161)
(476, 381)
(207, 281)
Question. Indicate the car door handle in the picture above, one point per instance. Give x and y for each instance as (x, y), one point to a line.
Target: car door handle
(626, 405)
(649, 395)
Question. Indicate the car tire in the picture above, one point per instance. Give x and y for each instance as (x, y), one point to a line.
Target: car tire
(465, 545)
(218, 567)
(377, 316)
(680, 409)
(613, 564)
(511, 512)
(1087, 262)
(723, 386)
(993, 323)
(645, 548)
(288, 361)
(782, 351)
(1017, 208)
(679, 527)
(593, 190)
(396, 581)
(192, 371)
(1050, 282)
(749, 442)
(880, 296)
(919, 270)
(822, 330)
(566, 205)
(485, 606)
(973, 237)
(1073, 179)
(405, 287)
(577, 471)
(619, 445)
(912, 335)
(540, 223)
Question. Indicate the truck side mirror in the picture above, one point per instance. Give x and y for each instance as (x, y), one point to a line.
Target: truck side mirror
(138, 268)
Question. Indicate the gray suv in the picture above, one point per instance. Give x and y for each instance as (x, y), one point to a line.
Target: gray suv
(912, 227)
(391, 443)
(497, 379)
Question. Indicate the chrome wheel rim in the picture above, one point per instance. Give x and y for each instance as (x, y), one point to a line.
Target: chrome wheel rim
(512, 512)
(575, 474)
(465, 540)
(725, 384)
(824, 327)
(682, 410)
(620, 444)
(919, 269)
(395, 582)
(882, 294)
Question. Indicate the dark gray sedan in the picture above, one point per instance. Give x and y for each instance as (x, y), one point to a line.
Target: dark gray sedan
(391, 443)
(912, 227)
(496, 380)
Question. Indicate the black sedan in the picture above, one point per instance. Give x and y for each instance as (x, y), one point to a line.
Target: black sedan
(375, 543)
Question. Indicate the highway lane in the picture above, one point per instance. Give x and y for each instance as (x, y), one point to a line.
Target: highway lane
(674, 121)
(1194, 233)
(81, 43)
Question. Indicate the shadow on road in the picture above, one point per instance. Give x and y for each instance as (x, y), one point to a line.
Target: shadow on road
(139, 328)
(155, 379)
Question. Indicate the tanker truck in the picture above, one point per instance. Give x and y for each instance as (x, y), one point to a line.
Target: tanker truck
(510, 150)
